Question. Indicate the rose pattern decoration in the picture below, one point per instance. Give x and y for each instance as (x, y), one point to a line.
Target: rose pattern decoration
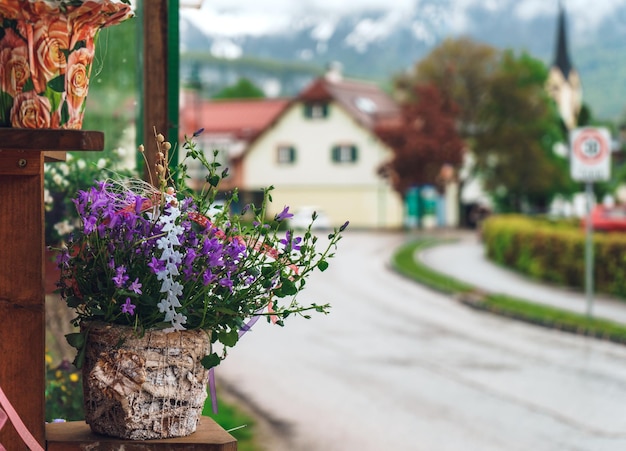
(46, 54)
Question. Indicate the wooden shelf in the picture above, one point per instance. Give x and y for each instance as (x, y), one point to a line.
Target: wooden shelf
(52, 142)
(22, 313)
(77, 436)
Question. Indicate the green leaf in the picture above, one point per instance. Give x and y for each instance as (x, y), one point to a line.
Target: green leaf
(322, 265)
(57, 84)
(226, 310)
(210, 361)
(5, 108)
(288, 287)
(229, 338)
(65, 113)
(76, 340)
(73, 301)
(213, 180)
(28, 86)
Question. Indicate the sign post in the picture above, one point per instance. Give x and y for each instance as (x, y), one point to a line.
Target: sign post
(590, 160)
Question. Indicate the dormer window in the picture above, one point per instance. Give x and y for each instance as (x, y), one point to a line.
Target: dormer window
(316, 110)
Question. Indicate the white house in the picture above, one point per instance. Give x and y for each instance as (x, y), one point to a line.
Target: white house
(321, 151)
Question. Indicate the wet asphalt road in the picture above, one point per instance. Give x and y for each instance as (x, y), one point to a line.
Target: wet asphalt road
(396, 366)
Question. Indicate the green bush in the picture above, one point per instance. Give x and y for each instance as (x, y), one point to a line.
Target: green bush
(555, 251)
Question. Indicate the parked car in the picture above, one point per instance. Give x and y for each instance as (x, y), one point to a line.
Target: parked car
(607, 219)
(302, 217)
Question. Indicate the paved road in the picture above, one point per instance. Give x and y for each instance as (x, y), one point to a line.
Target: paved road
(465, 260)
(396, 366)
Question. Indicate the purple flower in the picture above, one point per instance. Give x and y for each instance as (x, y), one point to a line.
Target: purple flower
(226, 282)
(135, 286)
(120, 277)
(208, 277)
(156, 265)
(128, 307)
(283, 215)
(290, 242)
(63, 258)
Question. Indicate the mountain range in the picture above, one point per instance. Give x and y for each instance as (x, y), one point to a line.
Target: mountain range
(376, 45)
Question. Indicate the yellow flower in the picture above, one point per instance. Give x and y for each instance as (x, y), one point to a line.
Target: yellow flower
(74, 377)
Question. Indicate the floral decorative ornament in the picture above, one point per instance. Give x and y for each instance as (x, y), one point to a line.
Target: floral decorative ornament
(159, 255)
(46, 53)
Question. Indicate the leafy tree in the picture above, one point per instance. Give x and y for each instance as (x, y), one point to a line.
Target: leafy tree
(243, 89)
(424, 140)
(519, 126)
(461, 68)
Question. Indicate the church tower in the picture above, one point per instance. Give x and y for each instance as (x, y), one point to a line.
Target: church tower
(563, 81)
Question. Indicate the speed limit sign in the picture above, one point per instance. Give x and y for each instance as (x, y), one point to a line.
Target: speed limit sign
(590, 158)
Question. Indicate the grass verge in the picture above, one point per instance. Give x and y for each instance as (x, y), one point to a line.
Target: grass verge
(405, 263)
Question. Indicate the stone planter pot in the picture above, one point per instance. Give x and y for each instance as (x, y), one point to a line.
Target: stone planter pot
(147, 387)
(46, 55)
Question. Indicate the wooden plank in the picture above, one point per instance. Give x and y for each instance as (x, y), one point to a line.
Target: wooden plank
(154, 78)
(50, 139)
(22, 315)
(16, 162)
(77, 436)
(53, 156)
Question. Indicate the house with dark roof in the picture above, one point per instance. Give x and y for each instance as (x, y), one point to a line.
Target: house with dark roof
(319, 150)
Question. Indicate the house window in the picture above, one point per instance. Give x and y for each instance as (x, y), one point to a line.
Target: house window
(316, 110)
(344, 153)
(285, 154)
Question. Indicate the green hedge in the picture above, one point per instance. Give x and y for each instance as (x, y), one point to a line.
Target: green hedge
(555, 252)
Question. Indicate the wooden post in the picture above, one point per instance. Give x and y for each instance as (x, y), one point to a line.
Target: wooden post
(22, 298)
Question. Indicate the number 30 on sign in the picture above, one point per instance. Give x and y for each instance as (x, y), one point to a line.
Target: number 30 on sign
(590, 157)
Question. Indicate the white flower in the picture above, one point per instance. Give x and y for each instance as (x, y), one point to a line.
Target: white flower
(164, 305)
(178, 321)
(81, 164)
(64, 227)
(101, 164)
(47, 198)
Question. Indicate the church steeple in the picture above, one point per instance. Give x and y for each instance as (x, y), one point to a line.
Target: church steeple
(561, 59)
(563, 82)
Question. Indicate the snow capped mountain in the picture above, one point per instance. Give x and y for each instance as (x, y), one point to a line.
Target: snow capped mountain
(376, 39)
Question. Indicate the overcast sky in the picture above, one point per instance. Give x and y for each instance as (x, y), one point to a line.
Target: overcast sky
(236, 17)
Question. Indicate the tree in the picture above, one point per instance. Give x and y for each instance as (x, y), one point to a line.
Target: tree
(424, 141)
(519, 126)
(243, 89)
(461, 69)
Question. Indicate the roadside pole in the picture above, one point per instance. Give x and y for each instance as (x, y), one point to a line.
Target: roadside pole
(590, 160)
(589, 256)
